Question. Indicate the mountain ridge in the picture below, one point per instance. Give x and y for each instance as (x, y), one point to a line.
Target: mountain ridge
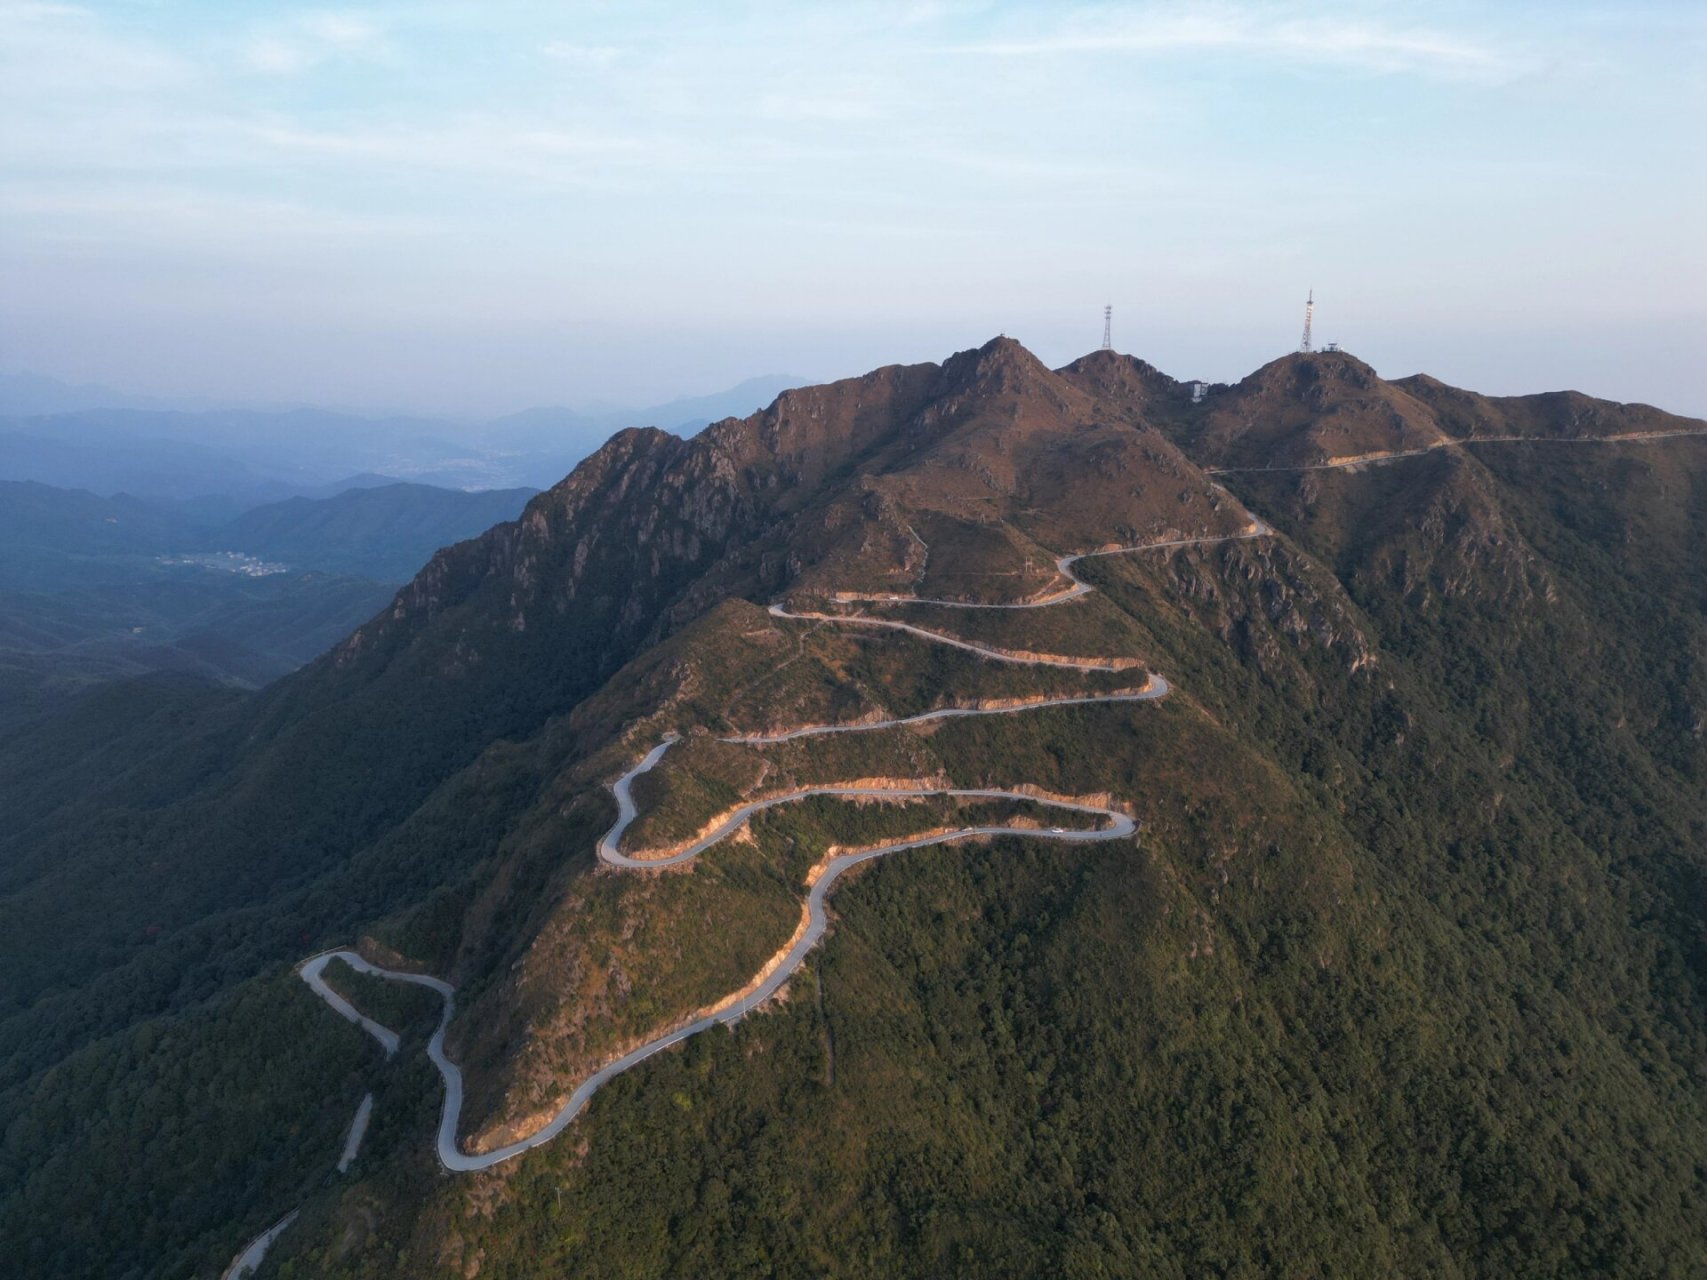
(997, 391)
(1380, 765)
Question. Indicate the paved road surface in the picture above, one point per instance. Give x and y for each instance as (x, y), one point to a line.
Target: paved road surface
(313, 972)
(256, 1249)
(1117, 826)
(1111, 824)
(1371, 459)
(1157, 687)
(358, 1131)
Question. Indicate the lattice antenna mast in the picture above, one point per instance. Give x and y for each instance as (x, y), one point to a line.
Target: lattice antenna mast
(1108, 327)
(1309, 314)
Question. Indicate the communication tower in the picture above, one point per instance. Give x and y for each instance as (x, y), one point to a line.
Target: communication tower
(1108, 327)
(1309, 313)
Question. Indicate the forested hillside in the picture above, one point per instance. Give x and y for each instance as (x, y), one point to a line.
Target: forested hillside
(1403, 972)
(96, 589)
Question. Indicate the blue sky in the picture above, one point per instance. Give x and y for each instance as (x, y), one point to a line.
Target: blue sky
(475, 207)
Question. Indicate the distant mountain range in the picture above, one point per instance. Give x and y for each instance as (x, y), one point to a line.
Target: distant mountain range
(98, 588)
(139, 535)
(1395, 963)
(52, 537)
(387, 532)
(25, 395)
(538, 429)
(61, 435)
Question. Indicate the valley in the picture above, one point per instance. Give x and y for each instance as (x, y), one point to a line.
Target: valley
(480, 802)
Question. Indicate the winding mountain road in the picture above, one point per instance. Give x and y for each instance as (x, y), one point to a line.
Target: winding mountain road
(1157, 687)
(1458, 442)
(1119, 827)
(313, 970)
(1064, 566)
(1115, 825)
(1111, 824)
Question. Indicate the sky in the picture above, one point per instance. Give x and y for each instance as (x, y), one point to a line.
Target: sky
(470, 208)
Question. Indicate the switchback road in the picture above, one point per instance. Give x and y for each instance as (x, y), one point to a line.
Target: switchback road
(1110, 824)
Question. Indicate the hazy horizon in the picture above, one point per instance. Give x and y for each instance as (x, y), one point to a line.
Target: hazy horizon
(466, 212)
(1496, 380)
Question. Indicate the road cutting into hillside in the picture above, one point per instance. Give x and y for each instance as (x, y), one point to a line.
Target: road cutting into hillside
(1119, 826)
(1063, 567)
(1458, 442)
(256, 1250)
(1156, 687)
(1111, 824)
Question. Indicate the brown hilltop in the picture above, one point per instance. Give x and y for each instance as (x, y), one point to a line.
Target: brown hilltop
(1308, 409)
(1560, 415)
(1127, 381)
(1328, 407)
(842, 485)
(962, 480)
(1006, 454)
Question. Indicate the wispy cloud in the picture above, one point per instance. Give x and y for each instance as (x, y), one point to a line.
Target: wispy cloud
(515, 148)
(564, 161)
(594, 57)
(311, 39)
(54, 49)
(189, 217)
(1340, 39)
(812, 107)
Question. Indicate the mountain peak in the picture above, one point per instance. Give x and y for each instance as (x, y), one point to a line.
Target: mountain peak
(1001, 364)
(1307, 408)
(1303, 369)
(1121, 378)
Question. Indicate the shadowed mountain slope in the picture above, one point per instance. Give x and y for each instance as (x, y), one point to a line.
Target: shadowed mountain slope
(1402, 972)
(501, 633)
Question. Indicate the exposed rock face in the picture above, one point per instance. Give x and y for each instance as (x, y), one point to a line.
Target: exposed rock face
(1128, 382)
(1344, 783)
(845, 484)
(850, 485)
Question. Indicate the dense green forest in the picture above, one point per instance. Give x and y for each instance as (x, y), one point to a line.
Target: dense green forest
(1404, 977)
(1405, 972)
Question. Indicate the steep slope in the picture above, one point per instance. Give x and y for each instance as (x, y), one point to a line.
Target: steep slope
(1274, 878)
(1390, 947)
(979, 451)
(334, 792)
(1394, 933)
